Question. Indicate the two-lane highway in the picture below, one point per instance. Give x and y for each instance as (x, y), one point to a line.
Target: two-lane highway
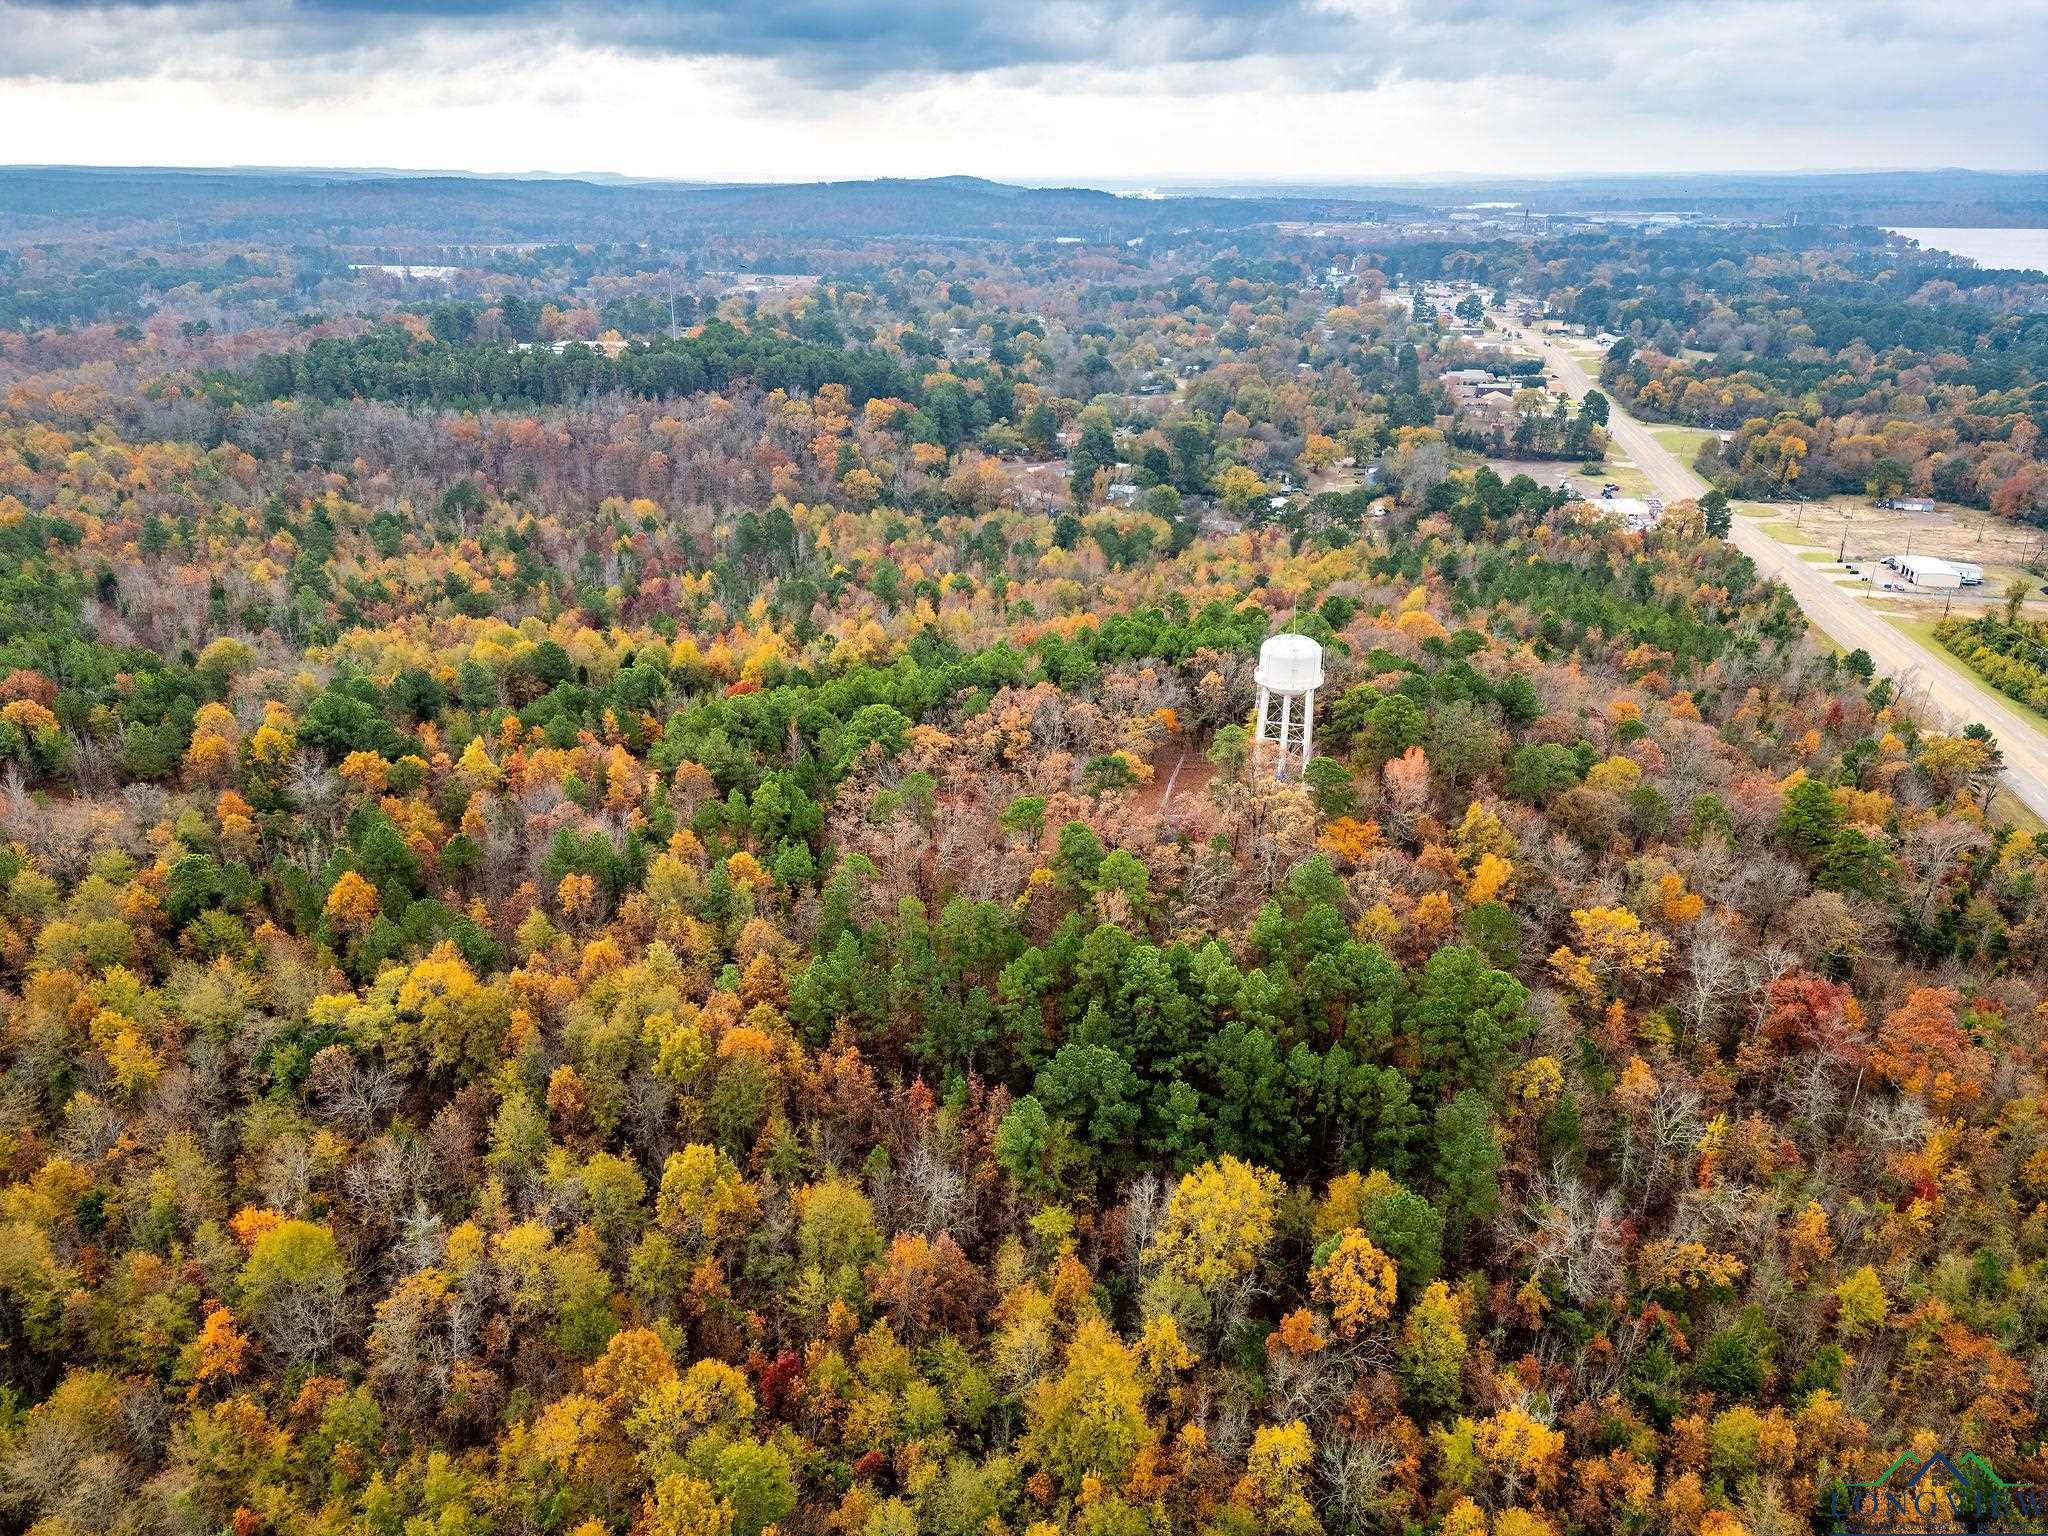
(1837, 612)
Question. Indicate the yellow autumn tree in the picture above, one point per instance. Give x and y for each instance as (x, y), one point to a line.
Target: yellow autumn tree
(682, 1505)
(704, 1199)
(368, 771)
(476, 766)
(1490, 879)
(1675, 905)
(1808, 1242)
(1480, 833)
(1088, 1422)
(1237, 487)
(1217, 1223)
(1433, 1350)
(444, 1016)
(1616, 775)
(352, 905)
(1162, 1353)
(211, 755)
(1519, 1449)
(1351, 840)
(1357, 1282)
(1862, 1302)
(1272, 1488)
(1613, 947)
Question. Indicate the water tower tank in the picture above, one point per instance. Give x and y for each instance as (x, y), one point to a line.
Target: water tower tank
(1290, 671)
(1290, 664)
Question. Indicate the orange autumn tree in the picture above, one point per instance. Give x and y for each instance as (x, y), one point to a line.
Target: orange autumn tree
(1923, 1049)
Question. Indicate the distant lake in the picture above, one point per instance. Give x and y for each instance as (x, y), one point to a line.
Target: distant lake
(1987, 247)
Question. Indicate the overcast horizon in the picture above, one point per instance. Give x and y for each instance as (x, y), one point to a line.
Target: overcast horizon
(1097, 92)
(1177, 184)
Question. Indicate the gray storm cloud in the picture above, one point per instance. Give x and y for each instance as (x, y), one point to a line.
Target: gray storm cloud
(1801, 59)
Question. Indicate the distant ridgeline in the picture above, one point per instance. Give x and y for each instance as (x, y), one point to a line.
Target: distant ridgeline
(389, 363)
(263, 208)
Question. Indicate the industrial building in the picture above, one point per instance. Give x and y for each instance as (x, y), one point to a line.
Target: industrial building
(1939, 575)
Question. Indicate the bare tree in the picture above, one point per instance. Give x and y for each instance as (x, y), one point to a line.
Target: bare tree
(1358, 1476)
(1718, 970)
(1658, 1140)
(354, 1094)
(1575, 1232)
(933, 1195)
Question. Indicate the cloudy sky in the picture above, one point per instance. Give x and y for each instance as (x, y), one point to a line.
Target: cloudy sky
(1075, 90)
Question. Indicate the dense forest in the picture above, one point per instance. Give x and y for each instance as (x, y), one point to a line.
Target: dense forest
(391, 364)
(637, 904)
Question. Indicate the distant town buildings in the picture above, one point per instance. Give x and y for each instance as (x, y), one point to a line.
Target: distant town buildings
(611, 344)
(1502, 219)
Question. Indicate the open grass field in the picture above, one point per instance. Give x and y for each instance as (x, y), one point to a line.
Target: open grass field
(1683, 442)
(2007, 807)
(1627, 478)
(1797, 537)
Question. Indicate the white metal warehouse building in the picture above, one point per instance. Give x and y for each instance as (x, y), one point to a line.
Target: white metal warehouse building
(1927, 571)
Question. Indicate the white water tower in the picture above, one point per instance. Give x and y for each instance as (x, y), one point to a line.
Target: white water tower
(1290, 670)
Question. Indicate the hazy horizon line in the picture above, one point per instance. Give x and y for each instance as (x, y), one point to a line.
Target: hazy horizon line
(1190, 181)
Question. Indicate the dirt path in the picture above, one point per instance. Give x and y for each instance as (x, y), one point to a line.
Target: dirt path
(1157, 796)
(1843, 616)
(1173, 778)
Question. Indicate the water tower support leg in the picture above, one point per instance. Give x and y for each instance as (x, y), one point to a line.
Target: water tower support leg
(1264, 699)
(1308, 727)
